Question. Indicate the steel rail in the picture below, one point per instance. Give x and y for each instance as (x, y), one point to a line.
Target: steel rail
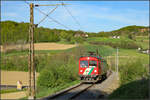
(74, 96)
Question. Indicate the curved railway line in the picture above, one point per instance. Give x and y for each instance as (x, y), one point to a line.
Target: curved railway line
(74, 92)
(70, 93)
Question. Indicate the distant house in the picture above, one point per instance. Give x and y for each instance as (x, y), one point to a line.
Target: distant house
(77, 35)
(144, 29)
(114, 37)
(118, 37)
(146, 51)
(81, 35)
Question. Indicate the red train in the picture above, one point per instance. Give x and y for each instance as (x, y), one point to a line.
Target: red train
(92, 68)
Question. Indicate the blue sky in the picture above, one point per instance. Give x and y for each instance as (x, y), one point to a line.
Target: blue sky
(93, 16)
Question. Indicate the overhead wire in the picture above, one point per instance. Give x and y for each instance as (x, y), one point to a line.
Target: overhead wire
(71, 15)
(48, 14)
(50, 17)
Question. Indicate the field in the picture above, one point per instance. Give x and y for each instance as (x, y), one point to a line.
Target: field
(38, 46)
(11, 77)
(65, 58)
(143, 41)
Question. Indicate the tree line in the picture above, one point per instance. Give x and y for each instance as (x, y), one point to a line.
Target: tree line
(14, 32)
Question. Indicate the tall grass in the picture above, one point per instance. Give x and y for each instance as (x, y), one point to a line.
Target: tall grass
(134, 77)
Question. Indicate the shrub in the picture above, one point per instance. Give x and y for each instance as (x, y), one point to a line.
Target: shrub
(134, 78)
(132, 71)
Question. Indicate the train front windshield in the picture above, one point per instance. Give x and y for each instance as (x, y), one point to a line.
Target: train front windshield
(85, 63)
(92, 63)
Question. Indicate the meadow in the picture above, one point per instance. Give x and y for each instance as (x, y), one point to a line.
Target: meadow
(59, 68)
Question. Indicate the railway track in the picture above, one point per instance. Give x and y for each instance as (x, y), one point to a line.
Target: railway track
(77, 91)
(70, 93)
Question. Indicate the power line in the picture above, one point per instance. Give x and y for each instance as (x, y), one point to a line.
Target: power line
(52, 18)
(71, 15)
(49, 17)
(48, 14)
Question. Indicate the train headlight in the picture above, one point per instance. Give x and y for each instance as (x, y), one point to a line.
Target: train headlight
(80, 70)
(95, 70)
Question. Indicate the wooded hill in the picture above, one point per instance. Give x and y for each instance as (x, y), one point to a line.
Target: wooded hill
(14, 32)
(125, 31)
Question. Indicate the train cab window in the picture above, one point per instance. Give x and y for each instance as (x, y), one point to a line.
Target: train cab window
(83, 64)
(92, 63)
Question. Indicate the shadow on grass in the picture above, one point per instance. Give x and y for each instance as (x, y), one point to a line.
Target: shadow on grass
(134, 90)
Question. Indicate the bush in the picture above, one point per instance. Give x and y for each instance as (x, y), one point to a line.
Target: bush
(133, 71)
(134, 78)
(61, 69)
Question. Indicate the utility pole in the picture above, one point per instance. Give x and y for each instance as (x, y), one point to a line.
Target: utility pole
(117, 60)
(117, 64)
(31, 56)
(31, 66)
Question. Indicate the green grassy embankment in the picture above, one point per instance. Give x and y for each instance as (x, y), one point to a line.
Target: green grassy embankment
(133, 70)
(122, 42)
(143, 41)
(133, 66)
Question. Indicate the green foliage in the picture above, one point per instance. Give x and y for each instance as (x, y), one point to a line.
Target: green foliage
(14, 63)
(17, 33)
(63, 67)
(43, 91)
(134, 90)
(132, 71)
(11, 90)
(134, 77)
(20, 62)
(120, 43)
(134, 30)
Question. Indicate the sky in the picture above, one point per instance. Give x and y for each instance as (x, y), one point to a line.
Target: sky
(88, 16)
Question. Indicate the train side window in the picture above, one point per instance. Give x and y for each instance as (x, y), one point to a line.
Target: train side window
(83, 64)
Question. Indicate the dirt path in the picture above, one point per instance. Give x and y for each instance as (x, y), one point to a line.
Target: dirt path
(11, 77)
(14, 95)
(38, 46)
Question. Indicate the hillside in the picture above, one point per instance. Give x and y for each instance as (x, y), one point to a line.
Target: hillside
(17, 33)
(135, 30)
(125, 31)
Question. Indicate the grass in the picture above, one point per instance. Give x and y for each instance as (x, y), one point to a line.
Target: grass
(25, 52)
(123, 42)
(134, 90)
(127, 55)
(133, 69)
(10, 91)
(143, 41)
(49, 91)
(105, 39)
(60, 70)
